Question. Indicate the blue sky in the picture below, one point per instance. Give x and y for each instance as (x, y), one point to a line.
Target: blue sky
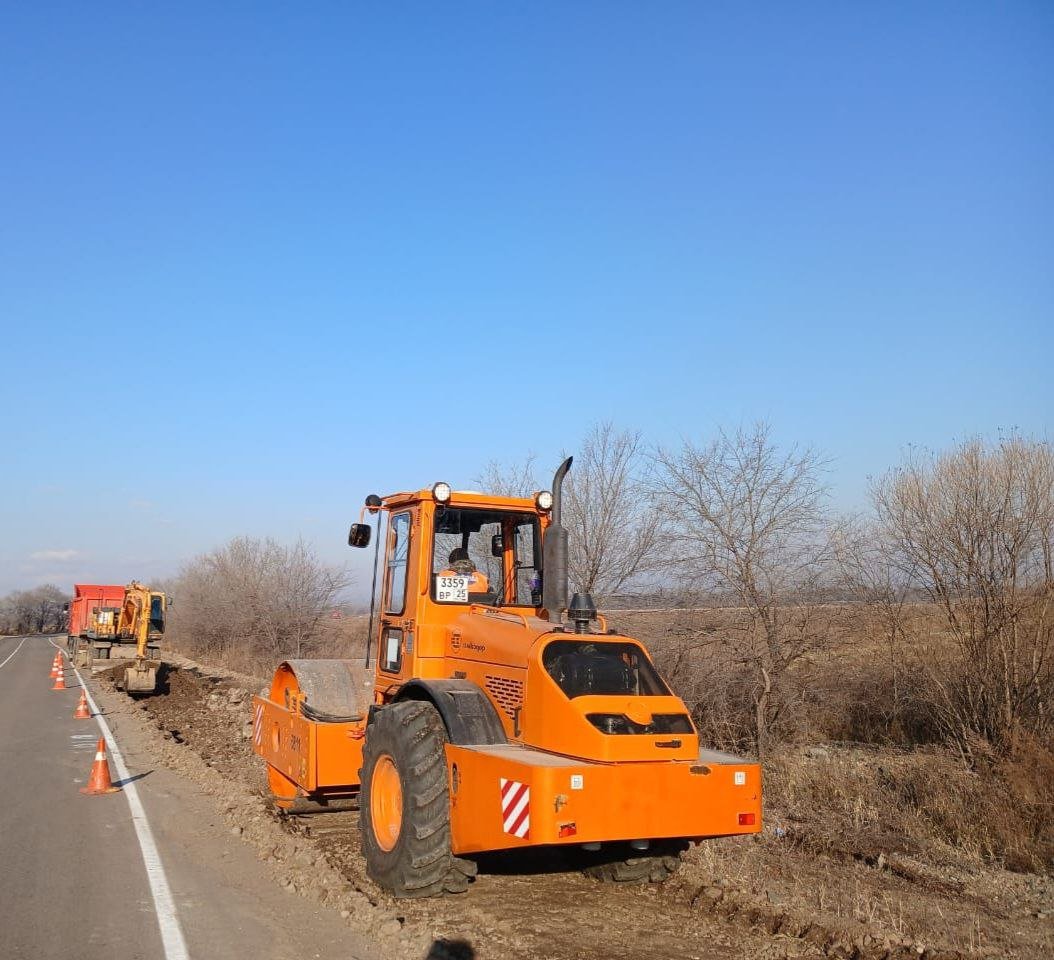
(258, 260)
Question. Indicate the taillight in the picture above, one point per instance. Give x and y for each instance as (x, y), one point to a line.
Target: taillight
(567, 830)
(747, 819)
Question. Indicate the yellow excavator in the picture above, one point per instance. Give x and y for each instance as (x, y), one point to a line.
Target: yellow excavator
(140, 621)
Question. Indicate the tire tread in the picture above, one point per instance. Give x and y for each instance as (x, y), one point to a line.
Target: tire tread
(421, 864)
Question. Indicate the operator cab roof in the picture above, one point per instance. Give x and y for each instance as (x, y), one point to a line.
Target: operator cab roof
(464, 498)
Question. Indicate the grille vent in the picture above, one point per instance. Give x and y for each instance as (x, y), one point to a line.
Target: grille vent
(507, 693)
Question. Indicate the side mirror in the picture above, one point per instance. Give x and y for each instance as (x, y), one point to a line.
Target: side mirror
(359, 535)
(497, 545)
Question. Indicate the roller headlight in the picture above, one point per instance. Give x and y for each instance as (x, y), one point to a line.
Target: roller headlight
(441, 491)
(544, 500)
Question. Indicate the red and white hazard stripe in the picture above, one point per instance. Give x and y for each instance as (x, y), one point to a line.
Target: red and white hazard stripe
(516, 808)
(258, 724)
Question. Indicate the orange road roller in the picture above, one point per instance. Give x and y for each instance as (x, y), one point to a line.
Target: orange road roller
(491, 713)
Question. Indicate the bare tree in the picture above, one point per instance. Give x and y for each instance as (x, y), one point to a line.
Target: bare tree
(748, 522)
(25, 605)
(33, 611)
(515, 478)
(13, 614)
(977, 524)
(307, 591)
(613, 528)
(254, 600)
(866, 573)
(47, 608)
(613, 532)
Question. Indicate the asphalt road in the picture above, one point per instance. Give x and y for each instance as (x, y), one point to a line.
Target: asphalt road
(73, 882)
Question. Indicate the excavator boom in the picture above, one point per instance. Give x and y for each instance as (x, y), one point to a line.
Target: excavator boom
(142, 620)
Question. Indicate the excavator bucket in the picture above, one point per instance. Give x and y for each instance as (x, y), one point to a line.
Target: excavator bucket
(141, 677)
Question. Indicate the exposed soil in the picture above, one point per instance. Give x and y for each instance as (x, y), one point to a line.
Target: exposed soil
(791, 892)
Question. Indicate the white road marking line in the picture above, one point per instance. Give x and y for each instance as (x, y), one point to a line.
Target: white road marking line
(172, 941)
(13, 652)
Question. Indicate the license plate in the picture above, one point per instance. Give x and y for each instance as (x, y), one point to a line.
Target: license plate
(452, 589)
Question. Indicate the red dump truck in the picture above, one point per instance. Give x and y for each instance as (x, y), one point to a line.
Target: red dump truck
(86, 598)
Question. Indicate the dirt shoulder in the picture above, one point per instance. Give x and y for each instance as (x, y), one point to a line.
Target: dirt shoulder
(783, 894)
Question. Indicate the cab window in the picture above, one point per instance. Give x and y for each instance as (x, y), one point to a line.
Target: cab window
(583, 668)
(157, 613)
(398, 556)
(485, 556)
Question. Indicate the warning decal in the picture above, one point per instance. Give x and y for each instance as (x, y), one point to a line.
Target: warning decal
(516, 808)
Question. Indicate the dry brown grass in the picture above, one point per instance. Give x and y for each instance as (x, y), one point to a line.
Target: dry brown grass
(886, 782)
(878, 852)
(922, 803)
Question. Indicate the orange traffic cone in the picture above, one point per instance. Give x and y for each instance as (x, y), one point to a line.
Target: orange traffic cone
(83, 713)
(99, 779)
(60, 681)
(56, 665)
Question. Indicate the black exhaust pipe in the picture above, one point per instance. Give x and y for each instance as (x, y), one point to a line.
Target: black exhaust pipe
(554, 552)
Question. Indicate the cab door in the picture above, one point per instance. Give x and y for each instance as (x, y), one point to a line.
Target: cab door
(395, 647)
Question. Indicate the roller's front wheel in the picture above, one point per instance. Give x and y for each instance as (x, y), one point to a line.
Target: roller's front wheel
(283, 790)
(659, 864)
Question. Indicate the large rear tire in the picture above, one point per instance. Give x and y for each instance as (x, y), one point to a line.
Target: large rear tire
(404, 812)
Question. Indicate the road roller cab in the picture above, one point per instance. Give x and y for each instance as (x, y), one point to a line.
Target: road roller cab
(491, 712)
